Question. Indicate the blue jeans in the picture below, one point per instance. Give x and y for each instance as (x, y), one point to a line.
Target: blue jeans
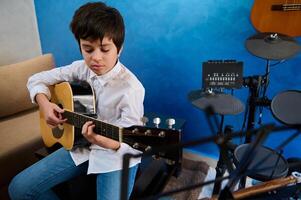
(36, 181)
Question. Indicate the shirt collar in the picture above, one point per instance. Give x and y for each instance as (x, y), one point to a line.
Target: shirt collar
(103, 79)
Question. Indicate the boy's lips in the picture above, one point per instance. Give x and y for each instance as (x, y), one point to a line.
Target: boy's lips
(97, 66)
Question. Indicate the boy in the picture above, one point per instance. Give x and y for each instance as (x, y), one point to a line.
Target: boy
(99, 30)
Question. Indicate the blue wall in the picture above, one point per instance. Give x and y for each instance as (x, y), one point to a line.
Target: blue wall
(166, 43)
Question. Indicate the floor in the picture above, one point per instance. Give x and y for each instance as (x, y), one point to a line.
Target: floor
(193, 155)
(206, 191)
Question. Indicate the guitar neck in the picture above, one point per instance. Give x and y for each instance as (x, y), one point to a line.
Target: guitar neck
(101, 128)
(248, 193)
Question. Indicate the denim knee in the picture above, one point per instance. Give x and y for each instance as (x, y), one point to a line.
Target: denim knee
(18, 189)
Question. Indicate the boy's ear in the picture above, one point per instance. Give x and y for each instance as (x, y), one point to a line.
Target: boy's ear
(120, 51)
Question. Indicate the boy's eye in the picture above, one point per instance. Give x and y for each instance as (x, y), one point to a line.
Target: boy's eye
(89, 50)
(105, 50)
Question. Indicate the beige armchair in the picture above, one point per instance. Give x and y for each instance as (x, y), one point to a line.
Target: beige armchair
(19, 119)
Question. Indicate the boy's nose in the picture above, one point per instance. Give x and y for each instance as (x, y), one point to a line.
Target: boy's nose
(97, 55)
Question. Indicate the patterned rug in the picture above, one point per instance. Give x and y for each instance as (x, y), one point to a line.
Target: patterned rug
(193, 172)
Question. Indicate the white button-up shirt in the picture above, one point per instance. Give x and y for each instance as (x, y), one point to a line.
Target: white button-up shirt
(119, 101)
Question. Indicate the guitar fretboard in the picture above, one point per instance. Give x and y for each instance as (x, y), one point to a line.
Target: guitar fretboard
(286, 7)
(101, 128)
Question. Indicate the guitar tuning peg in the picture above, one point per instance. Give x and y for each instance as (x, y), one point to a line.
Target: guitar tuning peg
(135, 145)
(170, 122)
(144, 120)
(157, 121)
(148, 148)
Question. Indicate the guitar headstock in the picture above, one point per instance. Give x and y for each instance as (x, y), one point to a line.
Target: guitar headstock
(155, 134)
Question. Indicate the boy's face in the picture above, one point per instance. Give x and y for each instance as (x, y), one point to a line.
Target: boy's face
(100, 56)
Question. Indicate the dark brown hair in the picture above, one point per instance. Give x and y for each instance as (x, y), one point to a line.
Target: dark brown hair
(96, 20)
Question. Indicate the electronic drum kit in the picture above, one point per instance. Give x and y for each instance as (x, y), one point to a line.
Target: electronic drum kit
(285, 106)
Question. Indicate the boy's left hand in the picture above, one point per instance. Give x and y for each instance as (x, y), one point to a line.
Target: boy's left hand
(88, 133)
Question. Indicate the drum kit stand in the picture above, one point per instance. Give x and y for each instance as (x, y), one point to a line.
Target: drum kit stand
(251, 156)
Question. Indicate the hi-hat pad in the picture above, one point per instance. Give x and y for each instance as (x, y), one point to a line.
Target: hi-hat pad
(223, 104)
(286, 107)
(272, 46)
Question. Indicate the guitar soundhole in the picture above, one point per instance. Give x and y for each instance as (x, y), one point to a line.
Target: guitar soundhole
(58, 131)
(60, 105)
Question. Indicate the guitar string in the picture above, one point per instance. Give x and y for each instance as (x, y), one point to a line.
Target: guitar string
(78, 121)
(114, 132)
(291, 6)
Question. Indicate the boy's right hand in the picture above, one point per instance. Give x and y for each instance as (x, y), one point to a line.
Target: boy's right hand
(51, 112)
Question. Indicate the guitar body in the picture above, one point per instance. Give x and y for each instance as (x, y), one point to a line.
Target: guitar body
(280, 16)
(67, 97)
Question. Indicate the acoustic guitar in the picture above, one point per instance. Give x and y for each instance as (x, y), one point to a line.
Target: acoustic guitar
(280, 16)
(78, 102)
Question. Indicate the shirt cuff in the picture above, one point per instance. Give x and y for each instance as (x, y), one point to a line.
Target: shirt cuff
(37, 90)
